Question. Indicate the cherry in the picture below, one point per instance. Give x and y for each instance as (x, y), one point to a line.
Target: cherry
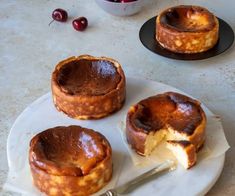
(59, 15)
(80, 24)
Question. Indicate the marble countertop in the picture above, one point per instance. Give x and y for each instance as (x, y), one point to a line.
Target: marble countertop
(30, 49)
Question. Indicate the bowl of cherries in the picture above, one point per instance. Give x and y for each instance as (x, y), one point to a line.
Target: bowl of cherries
(121, 7)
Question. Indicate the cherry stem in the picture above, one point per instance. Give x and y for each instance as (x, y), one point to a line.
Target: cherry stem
(51, 22)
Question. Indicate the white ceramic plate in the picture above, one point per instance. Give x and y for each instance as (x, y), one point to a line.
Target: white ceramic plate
(42, 114)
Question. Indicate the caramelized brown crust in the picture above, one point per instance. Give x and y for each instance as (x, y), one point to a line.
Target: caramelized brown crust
(187, 29)
(179, 118)
(87, 87)
(70, 161)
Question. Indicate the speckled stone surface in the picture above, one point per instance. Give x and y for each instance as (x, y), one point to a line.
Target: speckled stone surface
(30, 49)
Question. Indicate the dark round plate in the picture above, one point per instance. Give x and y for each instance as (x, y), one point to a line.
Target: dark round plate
(147, 37)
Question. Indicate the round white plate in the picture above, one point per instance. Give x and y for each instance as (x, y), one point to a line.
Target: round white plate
(42, 114)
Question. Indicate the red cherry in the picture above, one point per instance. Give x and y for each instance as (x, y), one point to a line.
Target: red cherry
(80, 24)
(59, 15)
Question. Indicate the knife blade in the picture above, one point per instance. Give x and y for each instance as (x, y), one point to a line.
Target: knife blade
(165, 167)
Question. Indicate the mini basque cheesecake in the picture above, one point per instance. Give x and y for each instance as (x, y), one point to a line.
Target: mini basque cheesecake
(70, 161)
(170, 116)
(87, 87)
(187, 29)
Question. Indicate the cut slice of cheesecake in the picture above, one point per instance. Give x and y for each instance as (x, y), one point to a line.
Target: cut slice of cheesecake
(184, 151)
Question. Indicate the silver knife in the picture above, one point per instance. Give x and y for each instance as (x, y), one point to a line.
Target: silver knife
(164, 167)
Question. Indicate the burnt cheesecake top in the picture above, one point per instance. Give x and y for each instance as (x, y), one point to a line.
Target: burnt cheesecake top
(88, 77)
(72, 150)
(187, 18)
(169, 109)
